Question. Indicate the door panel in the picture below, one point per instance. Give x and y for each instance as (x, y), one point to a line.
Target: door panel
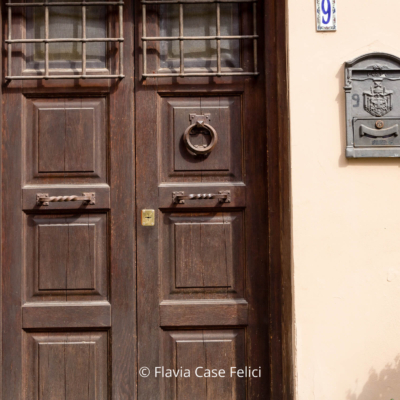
(66, 257)
(66, 137)
(191, 349)
(68, 265)
(202, 252)
(65, 366)
(225, 161)
(203, 266)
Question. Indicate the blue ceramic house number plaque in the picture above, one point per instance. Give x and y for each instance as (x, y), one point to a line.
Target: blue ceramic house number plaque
(326, 15)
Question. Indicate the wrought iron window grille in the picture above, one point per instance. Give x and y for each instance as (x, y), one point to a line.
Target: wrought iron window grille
(181, 38)
(46, 5)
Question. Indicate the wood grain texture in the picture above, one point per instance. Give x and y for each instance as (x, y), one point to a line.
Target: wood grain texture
(174, 313)
(12, 107)
(65, 365)
(85, 256)
(123, 221)
(66, 137)
(79, 140)
(66, 315)
(66, 257)
(203, 253)
(190, 356)
(53, 257)
(66, 371)
(81, 268)
(208, 349)
(211, 264)
(52, 371)
(281, 344)
(51, 133)
(146, 101)
(220, 356)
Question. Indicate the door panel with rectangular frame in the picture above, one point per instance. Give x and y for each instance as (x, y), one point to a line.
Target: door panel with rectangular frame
(68, 221)
(203, 266)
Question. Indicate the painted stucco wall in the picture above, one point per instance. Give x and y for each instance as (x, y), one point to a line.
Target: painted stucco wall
(346, 215)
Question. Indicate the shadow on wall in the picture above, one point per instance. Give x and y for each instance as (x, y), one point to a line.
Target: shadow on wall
(384, 385)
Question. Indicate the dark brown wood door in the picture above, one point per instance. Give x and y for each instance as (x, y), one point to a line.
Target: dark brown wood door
(68, 267)
(203, 266)
(93, 291)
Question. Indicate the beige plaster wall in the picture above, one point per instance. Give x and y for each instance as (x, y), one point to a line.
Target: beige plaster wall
(346, 215)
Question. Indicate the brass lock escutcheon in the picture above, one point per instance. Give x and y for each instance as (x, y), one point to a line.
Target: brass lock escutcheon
(148, 217)
(200, 121)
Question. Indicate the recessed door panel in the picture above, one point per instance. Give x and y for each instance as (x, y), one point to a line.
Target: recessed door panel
(66, 257)
(202, 253)
(194, 352)
(224, 162)
(66, 140)
(70, 366)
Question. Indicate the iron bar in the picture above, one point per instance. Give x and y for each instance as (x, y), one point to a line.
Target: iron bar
(218, 40)
(46, 35)
(32, 77)
(223, 196)
(45, 74)
(121, 43)
(199, 74)
(195, 1)
(169, 38)
(68, 3)
(144, 32)
(9, 46)
(181, 38)
(62, 40)
(44, 199)
(255, 33)
(83, 37)
(181, 42)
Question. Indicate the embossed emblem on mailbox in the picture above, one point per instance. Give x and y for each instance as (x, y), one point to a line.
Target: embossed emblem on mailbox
(378, 101)
(373, 106)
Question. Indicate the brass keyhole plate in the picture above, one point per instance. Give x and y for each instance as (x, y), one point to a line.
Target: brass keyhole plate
(148, 217)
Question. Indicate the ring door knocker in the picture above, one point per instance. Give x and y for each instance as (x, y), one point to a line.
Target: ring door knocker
(200, 121)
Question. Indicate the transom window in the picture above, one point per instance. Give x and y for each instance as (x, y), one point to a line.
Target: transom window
(66, 36)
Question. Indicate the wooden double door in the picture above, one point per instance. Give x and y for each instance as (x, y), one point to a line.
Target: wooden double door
(102, 299)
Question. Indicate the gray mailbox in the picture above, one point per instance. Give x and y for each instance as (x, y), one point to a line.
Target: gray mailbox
(373, 106)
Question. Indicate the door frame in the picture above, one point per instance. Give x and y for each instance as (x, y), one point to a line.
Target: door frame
(279, 207)
(279, 201)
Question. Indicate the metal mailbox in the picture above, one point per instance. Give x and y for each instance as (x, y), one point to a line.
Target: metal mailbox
(373, 106)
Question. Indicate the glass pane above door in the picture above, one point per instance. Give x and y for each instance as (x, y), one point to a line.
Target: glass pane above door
(199, 20)
(66, 22)
(199, 38)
